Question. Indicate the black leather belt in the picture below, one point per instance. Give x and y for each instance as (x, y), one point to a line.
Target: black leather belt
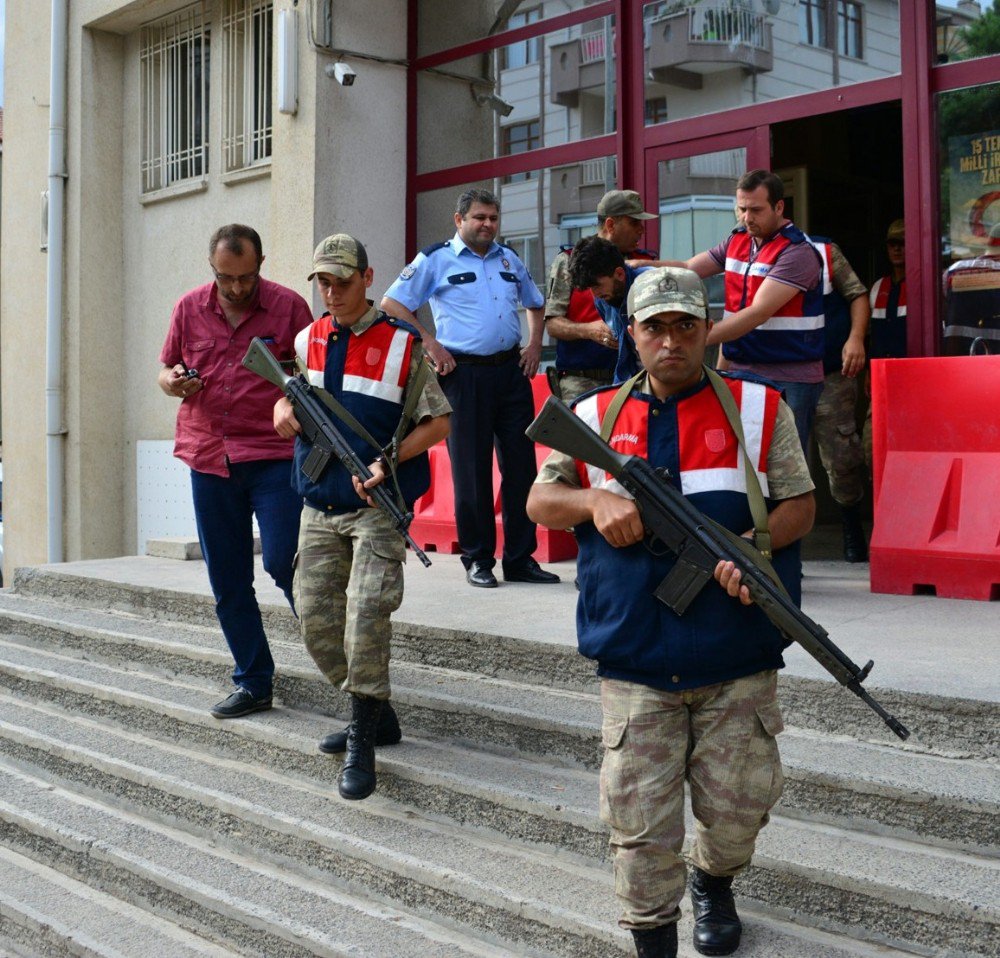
(496, 359)
(602, 375)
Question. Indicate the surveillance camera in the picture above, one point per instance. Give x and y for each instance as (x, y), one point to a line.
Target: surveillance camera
(497, 104)
(342, 73)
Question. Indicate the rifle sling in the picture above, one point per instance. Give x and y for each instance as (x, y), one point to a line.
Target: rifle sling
(755, 496)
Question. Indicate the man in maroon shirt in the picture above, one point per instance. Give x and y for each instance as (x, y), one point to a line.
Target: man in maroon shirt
(240, 467)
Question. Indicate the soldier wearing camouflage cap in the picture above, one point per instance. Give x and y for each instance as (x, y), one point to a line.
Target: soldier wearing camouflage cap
(349, 574)
(587, 348)
(683, 698)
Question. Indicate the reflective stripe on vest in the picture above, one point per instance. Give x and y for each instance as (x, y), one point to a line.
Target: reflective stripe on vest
(376, 368)
(802, 313)
(710, 459)
(879, 298)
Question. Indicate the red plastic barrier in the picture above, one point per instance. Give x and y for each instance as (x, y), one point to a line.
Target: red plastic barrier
(936, 460)
(433, 525)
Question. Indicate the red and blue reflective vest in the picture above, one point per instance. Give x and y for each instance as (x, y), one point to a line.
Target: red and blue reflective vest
(632, 635)
(795, 332)
(367, 374)
(888, 323)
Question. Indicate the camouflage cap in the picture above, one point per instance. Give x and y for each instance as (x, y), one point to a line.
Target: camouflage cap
(623, 203)
(667, 289)
(896, 232)
(339, 255)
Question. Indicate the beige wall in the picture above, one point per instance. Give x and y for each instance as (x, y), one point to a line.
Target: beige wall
(339, 164)
(22, 282)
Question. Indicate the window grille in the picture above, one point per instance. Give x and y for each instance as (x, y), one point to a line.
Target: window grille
(174, 68)
(247, 66)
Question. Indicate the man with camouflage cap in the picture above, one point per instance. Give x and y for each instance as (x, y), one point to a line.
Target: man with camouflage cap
(690, 697)
(349, 574)
(586, 348)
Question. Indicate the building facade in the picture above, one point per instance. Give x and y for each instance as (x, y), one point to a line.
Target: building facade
(368, 116)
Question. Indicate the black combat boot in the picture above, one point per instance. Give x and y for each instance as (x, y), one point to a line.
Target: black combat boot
(855, 545)
(387, 733)
(658, 942)
(357, 777)
(717, 927)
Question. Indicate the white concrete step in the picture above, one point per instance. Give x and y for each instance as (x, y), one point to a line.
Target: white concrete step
(945, 725)
(895, 891)
(43, 911)
(257, 908)
(951, 801)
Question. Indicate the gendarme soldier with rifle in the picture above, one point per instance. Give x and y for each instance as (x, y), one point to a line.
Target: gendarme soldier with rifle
(349, 572)
(693, 696)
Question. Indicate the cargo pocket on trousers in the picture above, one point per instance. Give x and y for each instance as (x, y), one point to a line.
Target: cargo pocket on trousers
(392, 549)
(771, 779)
(620, 805)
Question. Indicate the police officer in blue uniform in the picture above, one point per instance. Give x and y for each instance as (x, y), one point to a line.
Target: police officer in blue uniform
(474, 286)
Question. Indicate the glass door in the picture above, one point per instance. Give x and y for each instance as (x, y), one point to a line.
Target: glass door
(694, 183)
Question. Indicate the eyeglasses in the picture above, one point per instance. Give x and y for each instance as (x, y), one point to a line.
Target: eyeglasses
(896, 244)
(245, 280)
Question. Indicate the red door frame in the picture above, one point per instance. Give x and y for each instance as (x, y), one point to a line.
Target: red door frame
(756, 141)
(639, 148)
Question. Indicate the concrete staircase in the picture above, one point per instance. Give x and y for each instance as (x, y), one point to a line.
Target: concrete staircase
(132, 823)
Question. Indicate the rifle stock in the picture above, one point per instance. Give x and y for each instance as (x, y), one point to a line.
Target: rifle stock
(326, 440)
(700, 544)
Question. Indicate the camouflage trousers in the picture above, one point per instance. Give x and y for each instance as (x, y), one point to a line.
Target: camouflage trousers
(836, 430)
(348, 581)
(721, 739)
(572, 386)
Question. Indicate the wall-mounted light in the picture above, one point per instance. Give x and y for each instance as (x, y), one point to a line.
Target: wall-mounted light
(288, 61)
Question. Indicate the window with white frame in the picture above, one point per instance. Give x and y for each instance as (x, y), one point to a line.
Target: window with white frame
(246, 102)
(174, 67)
(529, 252)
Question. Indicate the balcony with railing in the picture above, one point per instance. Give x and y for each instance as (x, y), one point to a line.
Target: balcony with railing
(681, 47)
(708, 38)
(578, 64)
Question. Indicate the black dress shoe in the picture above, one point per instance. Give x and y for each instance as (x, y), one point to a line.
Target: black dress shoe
(481, 575)
(387, 733)
(241, 702)
(717, 927)
(531, 571)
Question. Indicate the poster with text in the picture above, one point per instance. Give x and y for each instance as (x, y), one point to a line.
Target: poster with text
(974, 177)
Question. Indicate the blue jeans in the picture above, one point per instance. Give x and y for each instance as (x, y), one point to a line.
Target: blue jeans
(802, 398)
(224, 510)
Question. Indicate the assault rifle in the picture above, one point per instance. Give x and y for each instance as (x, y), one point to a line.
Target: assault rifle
(313, 412)
(699, 544)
